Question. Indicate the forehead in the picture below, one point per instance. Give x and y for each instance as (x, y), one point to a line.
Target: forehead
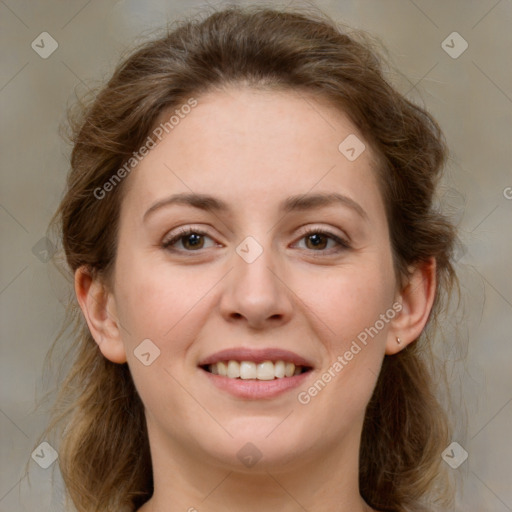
(245, 144)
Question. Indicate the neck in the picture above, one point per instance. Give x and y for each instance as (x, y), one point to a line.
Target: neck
(184, 481)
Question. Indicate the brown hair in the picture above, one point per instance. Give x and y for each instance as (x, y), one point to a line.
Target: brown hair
(104, 451)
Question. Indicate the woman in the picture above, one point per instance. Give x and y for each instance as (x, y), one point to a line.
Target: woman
(258, 265)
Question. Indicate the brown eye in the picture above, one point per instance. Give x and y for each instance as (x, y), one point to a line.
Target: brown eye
(317, 240)
(191, 240)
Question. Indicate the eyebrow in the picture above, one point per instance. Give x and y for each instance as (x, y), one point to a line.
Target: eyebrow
(301, 202)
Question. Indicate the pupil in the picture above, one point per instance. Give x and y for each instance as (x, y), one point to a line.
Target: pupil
(195, 239)
(317, 239)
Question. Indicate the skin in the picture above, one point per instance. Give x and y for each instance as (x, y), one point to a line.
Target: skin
(253, 149)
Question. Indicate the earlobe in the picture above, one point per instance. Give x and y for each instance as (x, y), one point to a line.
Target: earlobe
(98, 307)
(416, 298)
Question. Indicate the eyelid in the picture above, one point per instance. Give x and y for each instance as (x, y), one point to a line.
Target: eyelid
(311, 229)
(178, 233)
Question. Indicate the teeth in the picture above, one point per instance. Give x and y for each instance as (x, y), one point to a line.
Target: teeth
(279, 369)
(222, 368)
(289, 369)
(265, 371)
(233, 369)
(245, 370)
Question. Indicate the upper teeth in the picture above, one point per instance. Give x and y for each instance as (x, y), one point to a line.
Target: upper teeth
(250, 370)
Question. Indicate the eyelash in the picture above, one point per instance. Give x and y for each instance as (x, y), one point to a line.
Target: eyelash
(184, 232)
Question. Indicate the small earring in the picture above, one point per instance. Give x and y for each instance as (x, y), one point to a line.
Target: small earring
(398, 340)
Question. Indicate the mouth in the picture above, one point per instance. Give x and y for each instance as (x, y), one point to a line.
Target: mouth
(249, 370)
(255, 374)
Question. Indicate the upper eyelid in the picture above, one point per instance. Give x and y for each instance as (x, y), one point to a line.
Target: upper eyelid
(304, 230)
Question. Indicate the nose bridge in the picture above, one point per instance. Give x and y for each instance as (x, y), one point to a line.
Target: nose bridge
(254, 289)
(253, 263)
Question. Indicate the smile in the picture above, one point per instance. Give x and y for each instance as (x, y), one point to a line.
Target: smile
(249, 370)
(253, 374)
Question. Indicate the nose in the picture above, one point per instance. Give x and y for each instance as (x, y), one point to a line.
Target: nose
(257, 293)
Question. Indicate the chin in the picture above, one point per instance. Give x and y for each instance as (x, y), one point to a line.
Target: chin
(259, 446)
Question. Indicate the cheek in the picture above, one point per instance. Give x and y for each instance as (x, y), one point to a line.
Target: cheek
(356, 305)
(154, 299)
(157, 302)
(350, 300)
(167, 304)
(351, 306)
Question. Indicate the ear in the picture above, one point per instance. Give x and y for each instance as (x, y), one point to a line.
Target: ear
(416, 297)
(98, 307)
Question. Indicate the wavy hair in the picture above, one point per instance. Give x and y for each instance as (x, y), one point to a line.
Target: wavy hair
(104, 452)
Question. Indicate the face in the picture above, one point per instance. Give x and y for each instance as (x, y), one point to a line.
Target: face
(264, 278)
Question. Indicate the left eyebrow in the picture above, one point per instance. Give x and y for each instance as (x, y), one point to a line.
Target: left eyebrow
(304, 202)
(300, 202)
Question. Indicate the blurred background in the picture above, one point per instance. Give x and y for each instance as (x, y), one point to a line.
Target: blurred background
(452, 57)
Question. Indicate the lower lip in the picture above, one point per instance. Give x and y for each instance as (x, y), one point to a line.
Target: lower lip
(256, 389)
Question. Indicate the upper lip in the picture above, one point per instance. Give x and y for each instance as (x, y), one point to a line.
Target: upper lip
(256, 356)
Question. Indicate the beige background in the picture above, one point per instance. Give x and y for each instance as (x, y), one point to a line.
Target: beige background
(471, 96)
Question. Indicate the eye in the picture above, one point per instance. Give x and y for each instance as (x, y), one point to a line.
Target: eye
(190, 238)
(317, 239)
